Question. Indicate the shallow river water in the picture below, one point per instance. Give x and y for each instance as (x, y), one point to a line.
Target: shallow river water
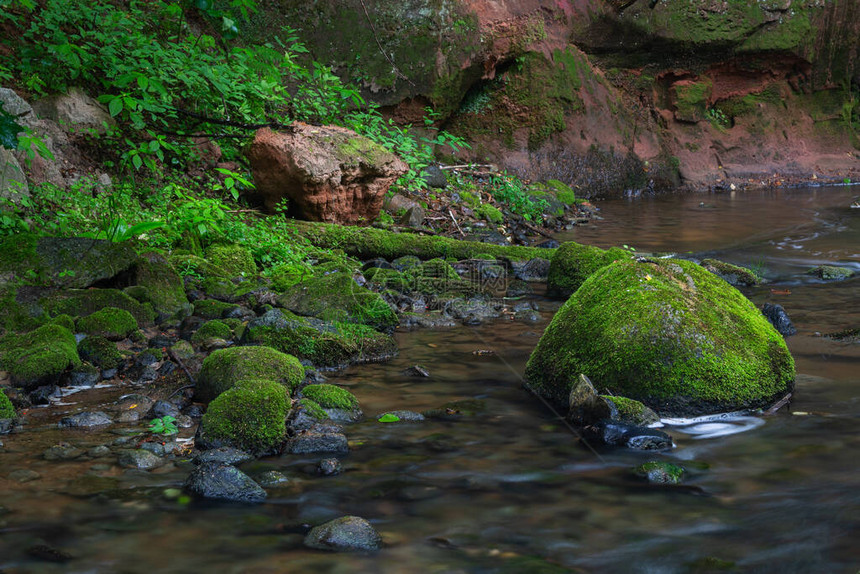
(505, 486)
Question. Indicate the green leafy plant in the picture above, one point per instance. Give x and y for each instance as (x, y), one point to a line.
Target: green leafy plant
(165, 425)
(512, 192)
(388, 418)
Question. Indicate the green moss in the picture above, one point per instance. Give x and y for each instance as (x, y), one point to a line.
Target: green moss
(250, 416)
(83, 302)
(490, 213)
(212, 329)
(333, 344)
(313, 409)
(212, 308)
(41, 354)
(666, 333)
(236, 326)
(337, 297)
(631, 412)
(164, 287)
(330, 396)
(367, 243)
(232, 261)
(691, 99)
(16, 315)
(562, 191)
(64, 321)
(7, 411)
(100, 352)
(572, 264)
(436, 277)
(225, 367)
(387, 278)
(109, 322)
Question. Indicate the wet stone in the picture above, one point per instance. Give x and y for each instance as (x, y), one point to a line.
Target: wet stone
(98, 451)
(164, 409)
(24, 475)
(417, 371)
(659, 472)
(316, 440)
(273, 479)
(614, 433)
(140, 459)
(223, 455)
(6, 425)
(43, 395)
(62, 452)
(329, 467)
(344, 415)
(779, 319)
(403, 416)
(218, 481)
(345, 534)
(84, 376)
(86, 419)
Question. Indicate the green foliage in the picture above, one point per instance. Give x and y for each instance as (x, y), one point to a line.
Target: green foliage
(165, 425)
(9, 130)
(388, 418)
(7, 411)
(511, 191)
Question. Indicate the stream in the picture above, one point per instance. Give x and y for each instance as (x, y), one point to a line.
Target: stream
(503, 485)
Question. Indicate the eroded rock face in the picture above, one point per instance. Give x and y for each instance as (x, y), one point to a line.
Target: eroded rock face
(326, 173)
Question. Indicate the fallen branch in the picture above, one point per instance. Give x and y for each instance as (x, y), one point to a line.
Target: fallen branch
(451, 213)
(173, 356)
(778, 405)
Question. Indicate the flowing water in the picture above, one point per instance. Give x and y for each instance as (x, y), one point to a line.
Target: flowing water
(504, 486)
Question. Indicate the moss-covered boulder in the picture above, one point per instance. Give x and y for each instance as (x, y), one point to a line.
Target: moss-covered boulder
(232, 261)
(39, 357)
(666, 333)
(164, 286)
(100, 352)
(213, 309)
(214, 329)
(111, 323)
(831, 272)
(73, 262)
(225, 367)
(250, 416)
(330, 396)
(325, 344)
(572, 264)
(7, 411)
(83, 302)
(337, 297)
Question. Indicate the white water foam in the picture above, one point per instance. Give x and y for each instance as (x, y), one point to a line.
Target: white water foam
(713, 426)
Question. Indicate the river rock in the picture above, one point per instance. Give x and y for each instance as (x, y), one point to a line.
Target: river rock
(536, 269)
(585, 405)
(139, 458)
(86, 419)
(62, 452)
(163, 409)
(831, 272)
(615, 433)
(223, 455)
(319, 438)
(273, 479)
(219, 481)
(329, 467)
(731, 274)
(402, 416)
(659, 472)
(668, 334)
(779, 319)
(328, 173)
(345, 534)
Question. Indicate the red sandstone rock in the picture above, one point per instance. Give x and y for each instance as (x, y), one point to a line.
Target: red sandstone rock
(327, 173)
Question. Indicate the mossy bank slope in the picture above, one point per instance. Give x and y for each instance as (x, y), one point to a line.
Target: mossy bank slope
(667, 333)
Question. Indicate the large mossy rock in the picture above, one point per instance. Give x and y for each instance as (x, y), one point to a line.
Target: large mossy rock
(325, 344)
(666, 333)
(72, 262)
(111, 323)
(83, 302)
(250, 416)
(572, 264)
(337, 297)
(224, 368)
(163, 285)
(39, 357)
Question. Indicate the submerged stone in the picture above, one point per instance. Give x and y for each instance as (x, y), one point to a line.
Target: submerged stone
(218, 481)
(345, 534)
(779, 319)
(659, 472)
(666, 333)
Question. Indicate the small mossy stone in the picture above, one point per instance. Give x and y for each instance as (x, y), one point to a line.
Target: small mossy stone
(312, 409)
(212, 329)
(831, 272)
(111, 323)
(225, 367)
(405, 263)
(666, 333)
(40, 356)
(7, 411)
(659, 472)
(572, 264)
(182, 349)
(337, 297)
(250, 416)
(232, 260)
(100, 352)
(732, 274)
(212, 308)
(64, 320)
(330, 396)
(83, 302)
(631, 412)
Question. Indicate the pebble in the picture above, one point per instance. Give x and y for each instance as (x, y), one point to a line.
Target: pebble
(345, 534)
(329, 467)
(86, 419)
(140, 459)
